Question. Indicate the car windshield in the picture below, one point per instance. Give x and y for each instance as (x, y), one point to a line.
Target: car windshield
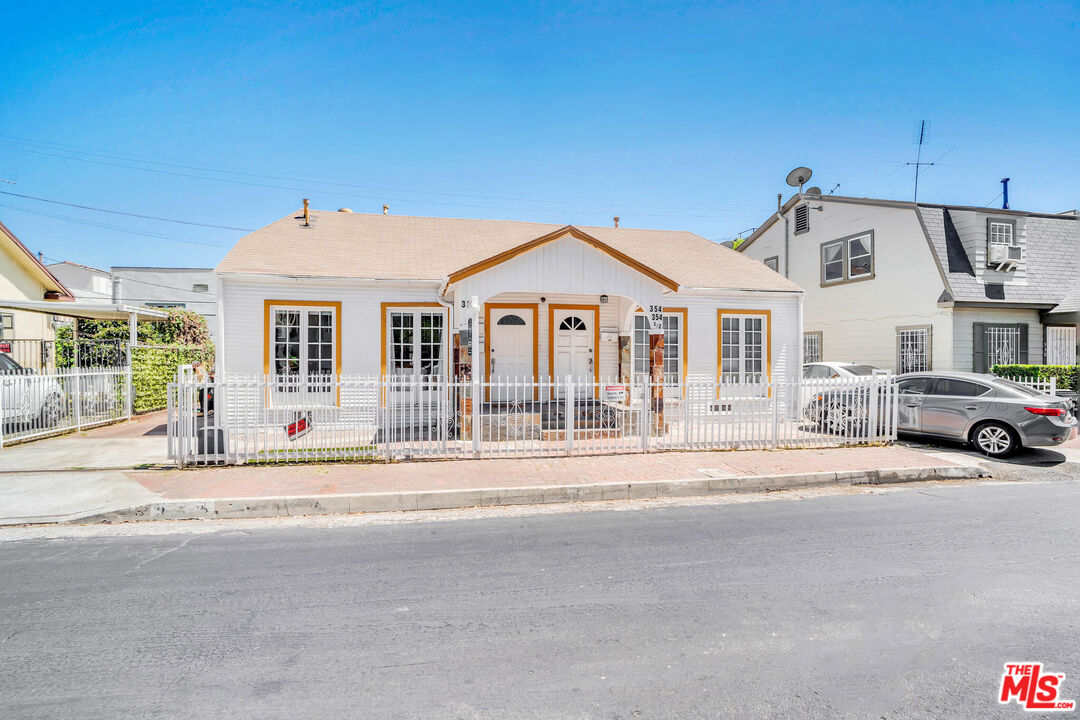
(1020, 387)
(861, 369)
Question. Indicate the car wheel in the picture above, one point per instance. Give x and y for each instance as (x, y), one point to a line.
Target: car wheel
(51, 411)
(844, 420)
(995, 439)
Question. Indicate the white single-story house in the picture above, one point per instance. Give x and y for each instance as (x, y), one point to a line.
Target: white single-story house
(344, 293)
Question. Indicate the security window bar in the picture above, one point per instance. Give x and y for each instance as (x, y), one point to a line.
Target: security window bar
(673, 348)
(742, 349)
(802, 219)
(1002, 345)
(912, 350)
(811, 348)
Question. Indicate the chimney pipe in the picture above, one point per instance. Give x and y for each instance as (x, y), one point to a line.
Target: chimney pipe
(307, 218)
(779, 202)
(385, 209)
(616, 219)
(1005, 190)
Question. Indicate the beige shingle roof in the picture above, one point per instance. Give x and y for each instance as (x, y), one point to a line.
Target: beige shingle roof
(391, 247)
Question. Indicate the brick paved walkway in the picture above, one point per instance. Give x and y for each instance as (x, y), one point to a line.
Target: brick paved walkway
(286, 480)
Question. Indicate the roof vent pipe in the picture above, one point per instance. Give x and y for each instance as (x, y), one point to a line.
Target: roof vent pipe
(307, 217)
(616, 219)
(385, 209)
(1005, 191)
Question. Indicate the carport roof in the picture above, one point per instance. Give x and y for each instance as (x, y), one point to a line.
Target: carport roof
(91, 311)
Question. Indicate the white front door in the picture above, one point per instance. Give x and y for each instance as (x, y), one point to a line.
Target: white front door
(574, 349)
(511, 351)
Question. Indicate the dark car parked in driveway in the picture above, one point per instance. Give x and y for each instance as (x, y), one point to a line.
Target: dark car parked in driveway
(995, 415)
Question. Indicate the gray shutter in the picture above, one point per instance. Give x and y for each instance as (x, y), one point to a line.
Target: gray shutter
(978, 347)
(1022, 352)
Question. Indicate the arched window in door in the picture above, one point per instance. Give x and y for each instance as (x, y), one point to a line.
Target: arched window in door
(510, 320)
(572, 322)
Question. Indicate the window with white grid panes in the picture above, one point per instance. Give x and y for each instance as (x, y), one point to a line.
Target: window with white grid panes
(742, 348)
(673, 347)
(303, 346)
(1001, 234)
(416, 343)
(912, 350)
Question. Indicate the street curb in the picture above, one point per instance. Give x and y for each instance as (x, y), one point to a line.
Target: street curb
(292, 506)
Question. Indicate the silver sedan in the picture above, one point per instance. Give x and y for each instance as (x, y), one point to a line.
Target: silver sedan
(995, 415)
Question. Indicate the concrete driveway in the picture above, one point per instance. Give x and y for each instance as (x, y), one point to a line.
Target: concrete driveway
(66, 477)
(140, 442)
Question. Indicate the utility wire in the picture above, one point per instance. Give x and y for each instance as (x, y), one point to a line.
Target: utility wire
(117, 228)
(124, 162)
(121, 212)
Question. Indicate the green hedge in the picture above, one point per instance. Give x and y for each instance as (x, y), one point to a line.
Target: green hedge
(1067, 376)
(153, 368)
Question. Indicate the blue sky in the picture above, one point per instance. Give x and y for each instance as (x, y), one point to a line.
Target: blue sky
(671, 115)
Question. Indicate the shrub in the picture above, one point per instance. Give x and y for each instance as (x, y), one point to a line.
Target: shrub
(1067, 376)
(153, 368)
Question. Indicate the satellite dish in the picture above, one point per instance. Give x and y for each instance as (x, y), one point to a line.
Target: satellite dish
(798, 176)
(814, 191)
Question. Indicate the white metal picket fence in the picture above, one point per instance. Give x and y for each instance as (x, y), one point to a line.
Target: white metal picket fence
(1043, 385)
(252, 419)
(33, 405)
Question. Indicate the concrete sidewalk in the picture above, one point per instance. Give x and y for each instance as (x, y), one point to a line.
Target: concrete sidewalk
(284, 490)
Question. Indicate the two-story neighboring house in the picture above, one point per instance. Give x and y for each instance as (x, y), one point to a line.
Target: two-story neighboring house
(923, 286)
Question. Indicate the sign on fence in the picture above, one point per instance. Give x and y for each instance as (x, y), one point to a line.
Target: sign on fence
(299, 427)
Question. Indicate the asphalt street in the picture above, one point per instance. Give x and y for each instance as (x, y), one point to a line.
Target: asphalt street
(893, 603)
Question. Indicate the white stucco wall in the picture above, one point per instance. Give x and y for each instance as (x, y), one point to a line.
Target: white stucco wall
(858, 320)
(16, 283)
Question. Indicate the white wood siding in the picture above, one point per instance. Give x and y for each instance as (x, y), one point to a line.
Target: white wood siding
(360, 322)
(565, 266)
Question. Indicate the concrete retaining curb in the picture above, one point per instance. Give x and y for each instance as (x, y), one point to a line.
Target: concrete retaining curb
(477, 497)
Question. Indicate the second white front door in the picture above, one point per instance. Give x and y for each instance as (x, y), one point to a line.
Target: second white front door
(574, 351)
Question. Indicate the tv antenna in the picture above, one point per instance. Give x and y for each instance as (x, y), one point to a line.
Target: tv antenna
(798, 177)
(920, 139)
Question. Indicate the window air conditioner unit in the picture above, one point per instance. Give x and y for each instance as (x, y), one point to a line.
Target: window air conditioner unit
(1003, 257)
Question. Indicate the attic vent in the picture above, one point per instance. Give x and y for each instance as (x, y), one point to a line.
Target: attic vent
(802, 219)
(200, 287)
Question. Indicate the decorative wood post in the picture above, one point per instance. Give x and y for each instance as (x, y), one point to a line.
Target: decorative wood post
(656, 378)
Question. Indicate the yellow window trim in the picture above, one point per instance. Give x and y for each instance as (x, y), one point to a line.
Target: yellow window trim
(720, 313)
(335, 304)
